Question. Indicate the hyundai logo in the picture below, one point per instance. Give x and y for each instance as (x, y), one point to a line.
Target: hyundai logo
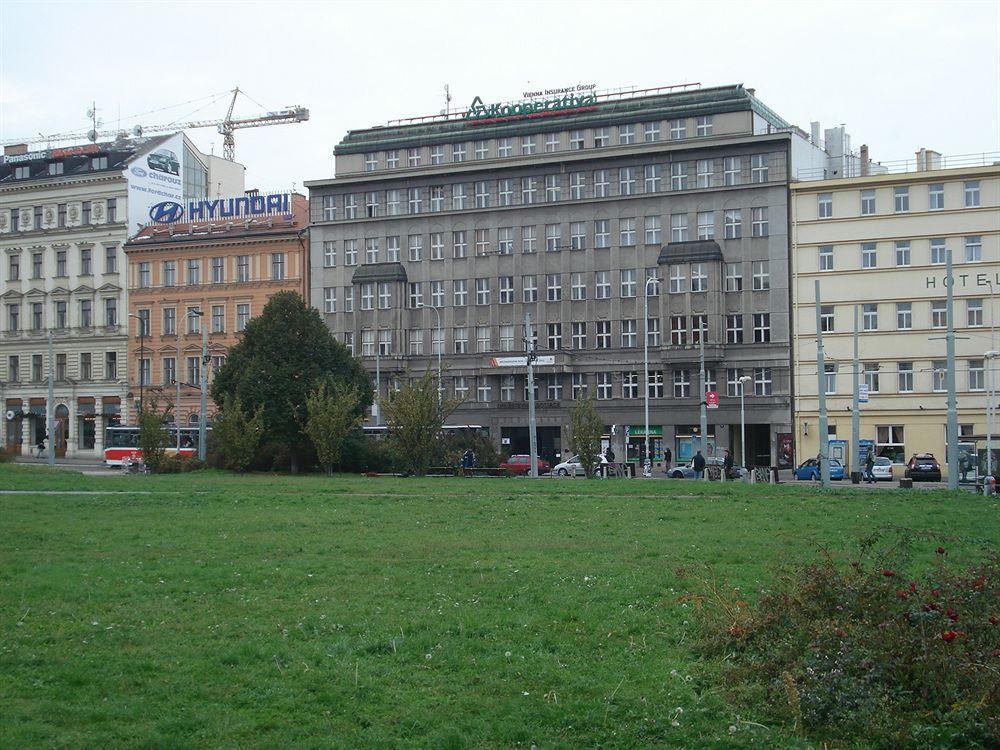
(139, 171)
(166, 212)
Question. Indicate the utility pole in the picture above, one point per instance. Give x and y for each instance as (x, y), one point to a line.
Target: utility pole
(204, 387)
(989, 358)
(177, 403)
(529, 349)
(703, 415)
(50, 409)
(855, 414)
(824, 458)
(378, 368)
(950, 374)
(648, 465)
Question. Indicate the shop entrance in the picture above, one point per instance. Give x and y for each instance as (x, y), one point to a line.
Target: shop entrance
(515, 440)
(62, 430)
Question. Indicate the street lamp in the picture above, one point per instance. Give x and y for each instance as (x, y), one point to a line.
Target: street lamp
(203, 379)
(142, 349)
(440, 342)
(990, 408)
(743, 427)
(648, 464)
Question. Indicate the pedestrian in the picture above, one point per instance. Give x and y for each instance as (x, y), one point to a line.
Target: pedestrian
(610, 454)
(699, 465)
(727, 465)
(869, 465)
(40, 446)
(667, 458)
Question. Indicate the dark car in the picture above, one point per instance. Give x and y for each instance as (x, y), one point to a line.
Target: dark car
(164, 160)
(520, 464)
(923, 467)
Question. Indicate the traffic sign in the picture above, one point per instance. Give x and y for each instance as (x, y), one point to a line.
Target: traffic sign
(711, 399)
(544, 359)
(862, 393)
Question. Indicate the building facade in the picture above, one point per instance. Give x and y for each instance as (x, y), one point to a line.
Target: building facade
(64, 218)
(442, 234)
(225, 268)
(878, 243)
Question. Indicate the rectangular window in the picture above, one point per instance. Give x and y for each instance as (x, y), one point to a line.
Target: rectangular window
(505, 192)
(579, 335)
(972, 196)
(830, 378)
(939, 374)
(483, 292)
(482, 194)
(938, 252)
(734, 329)
(553, 237)
(699, 277)
(384, 296)
(459, 197)
(193, 271)
(602, 338)
(437, 154)
(602, 137)
(678, 330)
(761, 275)
(628, 282)
(602, 233)
(682, 383)
(977, 375)
(61, 263)
(577, 235)
(482, 150)
(904, 316)
(678, 280)
(506, 290)
(528, 190)
(392, 203)
(678, 129)
(554, 339)
(628, 333)
(437, 294)
(734, 277)
(901, 199)
(416, 294)
(706, 225)
(551, 142)
(504, 147)
(145, 275)
(578, 287)
(825, 205)
(651, 132)
(371, 204)
(461, 340)
(762, 381)
(529, 288)
(219, 317)
(904, 372)
(826, 257)
(351, 206)
(371, 162)
(869, 317)
(218, 270)
(86, 255)
(732, 169)
(759, 226)
(169, 273)
(626, 134)
(436, 198)
(758, 168)
(630, 384)
(169, 321)
(826, 318)
(652, 231)
(460, 292)
(577, 185)
(974, 313)
(705, 170)
(413, 157)
(527, 145)
(902, 253)
(626, 181)
(867, 202)
(193, 320)
(973, 249)
(413, 200)
(242, 316)
(602, 284)
(416, 247)
(651, 175)
(761, 327)
(935, 194)
(869, 255)
(110, 311)
(553, 287)
(626, 232)
(385, 343)
(939, 314)
(679, 176)
(704, 125)
(277, 266)
(733, 222)
(329, 207)
(602, 183)
(415, 337)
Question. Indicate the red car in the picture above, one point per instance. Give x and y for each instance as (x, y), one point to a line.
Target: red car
(519, 465)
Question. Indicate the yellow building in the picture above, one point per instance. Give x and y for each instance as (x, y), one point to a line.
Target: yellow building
(879, 243)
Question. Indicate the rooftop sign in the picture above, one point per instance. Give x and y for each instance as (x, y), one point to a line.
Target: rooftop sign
(248, 206)
(570, 102)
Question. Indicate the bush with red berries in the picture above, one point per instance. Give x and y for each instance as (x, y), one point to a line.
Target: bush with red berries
(862, 650)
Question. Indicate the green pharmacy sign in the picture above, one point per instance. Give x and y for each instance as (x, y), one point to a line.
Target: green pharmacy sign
(534, 108)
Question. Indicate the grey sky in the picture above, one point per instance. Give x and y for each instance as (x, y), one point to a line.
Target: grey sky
(899, 75)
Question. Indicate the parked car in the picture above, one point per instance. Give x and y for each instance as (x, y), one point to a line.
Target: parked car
(519, 465)
(810, 469)
(686, 471)
(882, 470)
(573, 466)
(923, 467)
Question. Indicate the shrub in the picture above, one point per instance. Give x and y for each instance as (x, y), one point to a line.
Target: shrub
(174, 464)
(862, 651)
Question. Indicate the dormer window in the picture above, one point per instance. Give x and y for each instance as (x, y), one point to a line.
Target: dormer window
(99, 162)
(56, 167)
(22, 173)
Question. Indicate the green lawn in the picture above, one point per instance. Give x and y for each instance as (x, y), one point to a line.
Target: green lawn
(214, 611)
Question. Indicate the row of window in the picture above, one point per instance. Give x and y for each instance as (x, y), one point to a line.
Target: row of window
(85, 368)
(217, 267)
(169, 374)
(684, 329)
(938, 249)
(874, 376)
(904, 315)
(61, 260)
(193, 320)
(61, 315)
(581, 235)
(551, 188)
(527, 145)
(627, 383)
(52, 168)
(682, 279)
(36, 217)
(971, 198)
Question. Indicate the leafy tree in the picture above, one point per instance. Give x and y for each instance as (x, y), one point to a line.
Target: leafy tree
(414, 419)
(235, 435)
(587, 428)
(333, 412)
(153, 439)
(284, 352)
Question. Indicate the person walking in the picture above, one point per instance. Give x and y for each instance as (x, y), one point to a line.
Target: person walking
(727, 465)
(869, 466)
(40, 445)
(667, 458)
(699, 465)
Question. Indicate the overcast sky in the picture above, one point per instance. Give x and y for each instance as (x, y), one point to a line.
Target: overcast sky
(900, 75)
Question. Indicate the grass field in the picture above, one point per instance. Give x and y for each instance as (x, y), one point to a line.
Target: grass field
(215, 611)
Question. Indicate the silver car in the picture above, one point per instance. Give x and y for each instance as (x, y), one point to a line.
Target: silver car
(687, 470)
(882, 470)
(572, 466)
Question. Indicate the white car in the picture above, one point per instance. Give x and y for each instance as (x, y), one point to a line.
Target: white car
(882, 470)
(572, 466)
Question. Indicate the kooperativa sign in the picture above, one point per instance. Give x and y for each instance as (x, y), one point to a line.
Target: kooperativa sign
(534, 108)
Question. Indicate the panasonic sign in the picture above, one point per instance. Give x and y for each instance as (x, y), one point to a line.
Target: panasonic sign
(248, 206)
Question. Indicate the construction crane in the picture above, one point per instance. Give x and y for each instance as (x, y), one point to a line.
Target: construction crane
(226, 127)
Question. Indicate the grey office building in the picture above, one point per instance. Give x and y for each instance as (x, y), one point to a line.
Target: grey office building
(572, 209)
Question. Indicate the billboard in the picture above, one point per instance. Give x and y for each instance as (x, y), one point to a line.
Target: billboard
(154, 176)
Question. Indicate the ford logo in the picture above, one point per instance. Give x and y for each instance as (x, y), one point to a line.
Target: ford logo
(139, 171)
(166, 212)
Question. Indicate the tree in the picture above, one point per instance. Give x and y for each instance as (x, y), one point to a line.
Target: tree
(414, 419)
(153, 439)
(333, 412)
(236, 435)
(284, 352)
(587, 429)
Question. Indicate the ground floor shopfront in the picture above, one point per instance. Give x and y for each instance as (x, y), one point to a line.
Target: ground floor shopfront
(80, 417)
(898, 435)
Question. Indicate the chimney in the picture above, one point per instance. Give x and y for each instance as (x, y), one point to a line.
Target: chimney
(864, 159)
(814, 132)
(16, 149)
(928, 159)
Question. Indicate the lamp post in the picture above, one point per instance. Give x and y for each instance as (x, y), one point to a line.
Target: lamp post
(203, 379)
(142, 350)
(744, 379)
(50, 407)
(990, 398)
(648, 463)
(440, 342)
